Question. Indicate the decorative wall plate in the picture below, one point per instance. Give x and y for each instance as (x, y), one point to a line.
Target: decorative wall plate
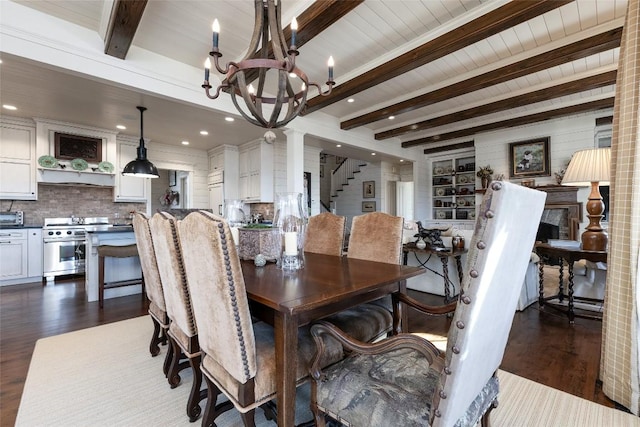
(462, 179)
(48, 162)
(441, 215)
(79, 164)
(105, 167)
(439, 191)
(438, 171)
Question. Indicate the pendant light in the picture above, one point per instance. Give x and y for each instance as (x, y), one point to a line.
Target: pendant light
(141, 167)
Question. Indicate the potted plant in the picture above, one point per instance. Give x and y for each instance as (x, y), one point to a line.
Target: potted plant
(485, 173)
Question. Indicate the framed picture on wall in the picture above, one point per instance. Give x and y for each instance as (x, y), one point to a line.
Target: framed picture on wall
(172, 178)
(368, 189)
(368, 206)
(529, 158)
(69, 147)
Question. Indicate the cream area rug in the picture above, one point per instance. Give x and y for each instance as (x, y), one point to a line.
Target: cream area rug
(105, 376)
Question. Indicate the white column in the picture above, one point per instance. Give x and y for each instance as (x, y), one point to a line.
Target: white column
(295, 160)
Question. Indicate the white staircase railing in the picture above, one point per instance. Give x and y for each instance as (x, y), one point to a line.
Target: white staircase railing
(343, 174)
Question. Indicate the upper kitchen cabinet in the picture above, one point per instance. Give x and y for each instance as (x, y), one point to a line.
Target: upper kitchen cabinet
(128, 188)
(256, 172)
(17, 160)
(223, 169)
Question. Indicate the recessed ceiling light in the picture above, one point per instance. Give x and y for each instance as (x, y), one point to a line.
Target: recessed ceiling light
(229, 119)
(204, 132)
(0, 61)
(185, 142)
(401, 160)
(373, 154)
(121, 127)
(9, 107)
(338, 145)
(392, 117)
(293, 75)
(351, 100)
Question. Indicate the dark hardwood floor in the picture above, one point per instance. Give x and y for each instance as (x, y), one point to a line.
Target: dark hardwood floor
(543, 346)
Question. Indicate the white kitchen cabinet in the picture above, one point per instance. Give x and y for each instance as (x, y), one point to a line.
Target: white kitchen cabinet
(216, 198)
(256, 172)
(128, 188)
(17, 161)
(224, 167)
(13, 254)
(34, 252)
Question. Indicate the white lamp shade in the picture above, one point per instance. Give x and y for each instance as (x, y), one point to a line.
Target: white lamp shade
(587, 166)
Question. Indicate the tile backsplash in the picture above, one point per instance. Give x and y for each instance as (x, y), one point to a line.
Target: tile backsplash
(64, 200)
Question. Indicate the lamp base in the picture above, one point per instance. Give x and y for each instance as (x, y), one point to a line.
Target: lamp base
(595, 240)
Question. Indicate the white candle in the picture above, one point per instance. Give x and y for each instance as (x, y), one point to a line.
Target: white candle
(291, 243)
(235, 234)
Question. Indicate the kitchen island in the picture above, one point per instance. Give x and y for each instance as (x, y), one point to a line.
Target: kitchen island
(116, 269)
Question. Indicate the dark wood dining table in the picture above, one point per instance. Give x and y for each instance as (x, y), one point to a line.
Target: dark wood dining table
(326, 285)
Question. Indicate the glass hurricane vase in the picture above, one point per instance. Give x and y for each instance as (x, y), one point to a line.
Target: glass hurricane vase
(290, 219)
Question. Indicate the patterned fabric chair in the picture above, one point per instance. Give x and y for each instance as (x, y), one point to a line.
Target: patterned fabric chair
(325, 234)
(157, 307)
(238, 355)
(183, 334)
(404, 380)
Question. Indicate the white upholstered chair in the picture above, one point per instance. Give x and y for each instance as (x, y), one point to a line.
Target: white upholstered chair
(404, 380)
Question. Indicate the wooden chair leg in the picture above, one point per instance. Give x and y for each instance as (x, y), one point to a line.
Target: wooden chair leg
(248, 418)
(173, 375)
(167, 360)
(156, 338)
(101, 281)
(485, 421)
(211, 410)
(193, 403)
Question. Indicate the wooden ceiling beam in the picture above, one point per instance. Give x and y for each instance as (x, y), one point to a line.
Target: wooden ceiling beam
(503, 18)
(518, 121)
(459, 146)
(557, 91)
(602, 42)
(123, 23)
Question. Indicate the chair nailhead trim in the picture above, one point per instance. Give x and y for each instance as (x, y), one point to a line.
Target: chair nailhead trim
(473, 273)
(183, 275)
(234, 301)
(466, 300)
(437, 413)
(447, 370)
(489, 214)
(496, 185)
(481, 245)
(460, 324)
(455, 349)
(443, 395)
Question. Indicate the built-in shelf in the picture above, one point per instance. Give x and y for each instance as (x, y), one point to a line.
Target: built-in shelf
(71, 176)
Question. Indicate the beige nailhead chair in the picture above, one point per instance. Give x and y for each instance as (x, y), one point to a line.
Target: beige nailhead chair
(238, 355)
(325, 234)
(414, 385)
(183, 334)
(157, 307)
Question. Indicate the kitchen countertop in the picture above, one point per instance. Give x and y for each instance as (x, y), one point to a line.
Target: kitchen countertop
(19, 227)
(114, 229)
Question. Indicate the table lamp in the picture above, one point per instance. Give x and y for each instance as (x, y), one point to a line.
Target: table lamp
(591, 167)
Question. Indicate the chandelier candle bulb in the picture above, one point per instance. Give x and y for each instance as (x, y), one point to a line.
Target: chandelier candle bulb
(330, 63)
(294, 31)
(216, 32)
(207, 68)
(291, 243)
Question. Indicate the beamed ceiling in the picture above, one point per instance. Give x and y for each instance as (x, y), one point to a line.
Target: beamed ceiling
(444, 69)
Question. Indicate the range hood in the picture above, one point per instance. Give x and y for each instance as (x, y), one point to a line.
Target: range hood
(72, 177)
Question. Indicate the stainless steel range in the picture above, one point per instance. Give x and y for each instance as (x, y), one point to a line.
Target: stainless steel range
(64, 244)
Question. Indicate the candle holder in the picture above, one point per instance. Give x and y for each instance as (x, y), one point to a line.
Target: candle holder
(234, 214)
(290, 220)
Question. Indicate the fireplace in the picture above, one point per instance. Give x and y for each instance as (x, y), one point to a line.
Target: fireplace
(562, 213)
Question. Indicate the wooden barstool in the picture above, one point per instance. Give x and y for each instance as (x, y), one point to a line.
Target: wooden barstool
(106, 251)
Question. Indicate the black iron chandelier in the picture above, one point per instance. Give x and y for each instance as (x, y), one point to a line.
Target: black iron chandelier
(267, 38)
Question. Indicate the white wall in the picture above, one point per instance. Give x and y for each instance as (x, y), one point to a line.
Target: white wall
(348, 203)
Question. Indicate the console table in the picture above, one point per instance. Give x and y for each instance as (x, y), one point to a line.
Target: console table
(570, 255)
(444, 254)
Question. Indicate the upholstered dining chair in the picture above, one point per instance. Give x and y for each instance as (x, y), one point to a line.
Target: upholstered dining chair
(157, 307)
(404, 380)
(182, 333)
(238, 355)
(325, 234)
